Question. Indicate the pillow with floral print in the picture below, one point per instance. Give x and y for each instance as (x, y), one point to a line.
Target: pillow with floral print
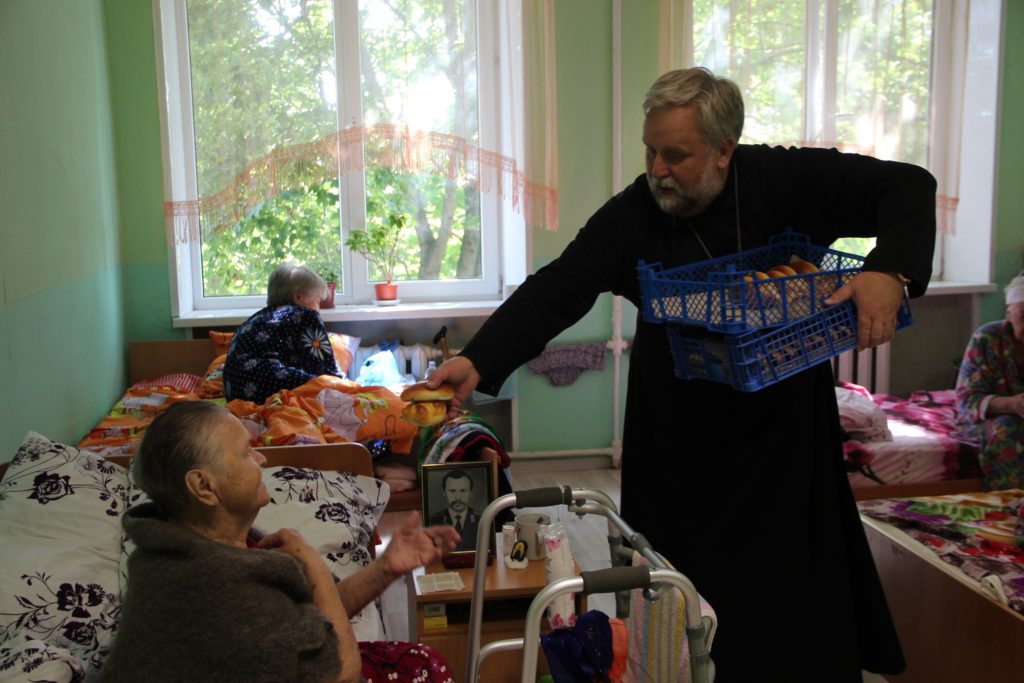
(61, 508)
(37, 660)
(337, 513)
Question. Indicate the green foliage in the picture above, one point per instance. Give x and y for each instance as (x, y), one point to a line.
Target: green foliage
(264, 78)
(854, 245)
(299, 225)
(378, 243)
(883, 59)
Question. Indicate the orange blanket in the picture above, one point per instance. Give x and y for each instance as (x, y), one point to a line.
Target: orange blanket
(324, 410)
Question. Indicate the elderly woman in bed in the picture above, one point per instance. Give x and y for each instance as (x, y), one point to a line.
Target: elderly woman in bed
(283, 345)
(208, 597)
(990, 393)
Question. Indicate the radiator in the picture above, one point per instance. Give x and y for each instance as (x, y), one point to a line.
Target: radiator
(412, 359)
(868, 368)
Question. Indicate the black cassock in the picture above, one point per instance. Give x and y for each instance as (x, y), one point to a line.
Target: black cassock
(745, 493)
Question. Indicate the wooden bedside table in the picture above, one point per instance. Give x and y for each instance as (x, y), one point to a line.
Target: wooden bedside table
(442, 619)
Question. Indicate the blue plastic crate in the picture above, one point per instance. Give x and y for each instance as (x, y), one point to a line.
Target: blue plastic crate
(723, 294)
(754, 360)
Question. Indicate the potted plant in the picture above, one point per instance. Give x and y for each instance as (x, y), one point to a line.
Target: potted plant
(378, 244)
(329, 272)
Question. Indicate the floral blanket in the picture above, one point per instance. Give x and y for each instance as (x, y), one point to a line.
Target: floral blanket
(982, 534)
(326, 409)
(925, 445)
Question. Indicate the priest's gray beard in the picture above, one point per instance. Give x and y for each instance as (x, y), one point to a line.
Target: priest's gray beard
(683, 204)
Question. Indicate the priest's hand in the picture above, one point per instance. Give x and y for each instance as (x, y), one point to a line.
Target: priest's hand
(461, 374)
(878, 297)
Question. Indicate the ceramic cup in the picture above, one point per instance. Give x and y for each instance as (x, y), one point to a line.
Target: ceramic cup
(527, 525)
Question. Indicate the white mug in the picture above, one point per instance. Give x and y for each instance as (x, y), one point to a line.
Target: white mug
(527, 525)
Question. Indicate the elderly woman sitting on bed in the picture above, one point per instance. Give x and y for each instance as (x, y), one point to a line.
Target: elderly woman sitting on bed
(209, 598)
(990, 393)
(283, 345)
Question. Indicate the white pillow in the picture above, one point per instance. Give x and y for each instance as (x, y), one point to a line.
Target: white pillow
(68, 484)
(37, 660)
(337, 513)
(861, 417)
(60, 509)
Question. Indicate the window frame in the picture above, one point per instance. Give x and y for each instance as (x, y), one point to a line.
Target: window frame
(503, 242)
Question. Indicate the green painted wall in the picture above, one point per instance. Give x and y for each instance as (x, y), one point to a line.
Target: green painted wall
(577, 416)
(580, 416)
(134, 96)
(1009, 245)
(61, 337)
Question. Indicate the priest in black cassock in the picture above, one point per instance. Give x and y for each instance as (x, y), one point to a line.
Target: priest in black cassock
(745, 493)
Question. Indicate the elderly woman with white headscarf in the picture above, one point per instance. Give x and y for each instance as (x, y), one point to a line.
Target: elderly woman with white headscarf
(990, 393)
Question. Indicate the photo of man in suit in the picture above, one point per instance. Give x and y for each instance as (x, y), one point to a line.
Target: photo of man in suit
(457, 487)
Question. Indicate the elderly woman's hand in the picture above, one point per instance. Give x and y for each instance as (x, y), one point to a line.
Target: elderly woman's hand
(1007, 405)
(415, 546)
(290, 542)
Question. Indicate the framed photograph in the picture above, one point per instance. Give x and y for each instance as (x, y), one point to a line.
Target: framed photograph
(456, 494)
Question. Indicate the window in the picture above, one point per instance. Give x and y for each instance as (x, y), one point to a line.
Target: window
(291, 123)
(910, 80)
(843, 73)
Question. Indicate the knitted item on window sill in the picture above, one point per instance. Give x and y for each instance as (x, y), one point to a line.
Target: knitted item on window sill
(563, 363)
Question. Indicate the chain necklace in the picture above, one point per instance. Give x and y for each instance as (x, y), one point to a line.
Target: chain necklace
(739, 238)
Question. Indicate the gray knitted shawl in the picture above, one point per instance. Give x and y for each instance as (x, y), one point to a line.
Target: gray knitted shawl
(198, 610)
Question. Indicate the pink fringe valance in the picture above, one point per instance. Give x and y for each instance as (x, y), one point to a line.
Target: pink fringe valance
(387, 145)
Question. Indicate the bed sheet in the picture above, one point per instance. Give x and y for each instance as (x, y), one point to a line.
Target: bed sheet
(977, 534)
(324, 410)
(925, 445)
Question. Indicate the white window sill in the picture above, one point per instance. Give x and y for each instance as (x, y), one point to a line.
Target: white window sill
(225, 317)
(936, 288)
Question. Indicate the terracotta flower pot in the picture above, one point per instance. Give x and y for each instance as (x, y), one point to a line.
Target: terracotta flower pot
(386, 291)
(328, 301)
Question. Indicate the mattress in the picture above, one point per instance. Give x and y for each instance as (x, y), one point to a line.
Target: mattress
(907, 439)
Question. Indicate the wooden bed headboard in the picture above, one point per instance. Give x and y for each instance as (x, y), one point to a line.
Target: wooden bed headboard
(151, 359)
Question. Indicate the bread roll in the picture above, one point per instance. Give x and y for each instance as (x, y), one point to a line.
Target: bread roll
(769, 292)
(781, 270)
(420, 392)
(803, 267)
(425, 413)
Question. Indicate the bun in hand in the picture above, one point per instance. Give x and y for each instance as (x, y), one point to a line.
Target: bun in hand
(420, 392)
(427, 407)
(425, 413)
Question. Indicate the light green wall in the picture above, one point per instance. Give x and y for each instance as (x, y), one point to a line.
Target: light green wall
(577, 416)
(1009, 245)
(61, 336)
(580, 416)
(135, 100)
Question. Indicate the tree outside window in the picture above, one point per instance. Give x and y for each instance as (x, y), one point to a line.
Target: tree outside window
(267, 77)
(850, 74)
